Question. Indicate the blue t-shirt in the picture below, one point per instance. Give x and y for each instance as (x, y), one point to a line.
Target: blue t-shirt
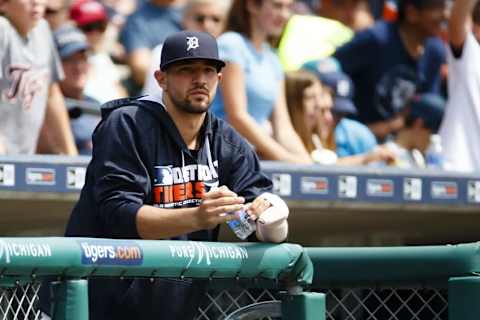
(352, 138)
(149, 25)
(377, 55)
(263, 74)
(83, 127)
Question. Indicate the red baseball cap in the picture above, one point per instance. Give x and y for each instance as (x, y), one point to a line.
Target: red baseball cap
(84, 12)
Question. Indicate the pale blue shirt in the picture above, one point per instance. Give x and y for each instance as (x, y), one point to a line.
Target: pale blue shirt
(263, 75)
(353, 137)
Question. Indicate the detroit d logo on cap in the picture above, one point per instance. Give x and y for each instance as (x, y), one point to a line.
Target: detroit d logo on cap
(192, 43)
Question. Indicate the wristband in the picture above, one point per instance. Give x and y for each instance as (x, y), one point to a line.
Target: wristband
(272, 225)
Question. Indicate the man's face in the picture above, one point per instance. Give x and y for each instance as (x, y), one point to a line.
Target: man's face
(431, 21)
(341, 10)
(206, 17)
(76, 69)
(191, 86)
(23, 14)
(56, 13)
(422, 138)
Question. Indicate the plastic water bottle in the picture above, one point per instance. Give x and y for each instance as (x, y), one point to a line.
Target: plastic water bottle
(244, 226)
(434, 154)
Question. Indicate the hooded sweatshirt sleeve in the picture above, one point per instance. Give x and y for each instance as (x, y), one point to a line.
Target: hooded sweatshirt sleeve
(120, 175)
(246, 178)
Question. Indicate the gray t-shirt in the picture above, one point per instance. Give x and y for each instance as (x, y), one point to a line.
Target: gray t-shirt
(28, 66)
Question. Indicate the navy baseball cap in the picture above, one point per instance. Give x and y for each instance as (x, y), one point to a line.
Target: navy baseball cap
(430, 108)
(329, 73)
(190, 45)
(342, 87)
(70, 40)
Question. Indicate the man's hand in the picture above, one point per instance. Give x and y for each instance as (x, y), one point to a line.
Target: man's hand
(271, 214)
(380, 153)
(216, 204)
(257, 207)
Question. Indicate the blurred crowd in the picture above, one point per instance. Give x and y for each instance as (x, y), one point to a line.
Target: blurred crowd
(345, 82)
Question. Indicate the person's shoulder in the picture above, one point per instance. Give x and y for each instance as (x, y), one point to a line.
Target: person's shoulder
(372, 36)
(224, 131)
(435, 45)
(5, 26)
(42, 31)
(143, 8)
(127, 110)
(382, 31)
(43, 26)
(4, 23)
(231, 38)
(354, 124)
(472, 45)
(139, 14)
(356, 129)
(233, 47)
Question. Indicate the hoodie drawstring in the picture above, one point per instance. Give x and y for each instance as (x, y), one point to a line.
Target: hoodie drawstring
(209, 159)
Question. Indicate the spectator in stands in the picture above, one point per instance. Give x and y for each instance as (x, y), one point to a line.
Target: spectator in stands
(375, 57)
(104, 82)
(74, 49)
(350, 136)
(120, 9)
(317, 110)
(252, 95)
(132, 190)
(56, 13)
(198, 15)
(32, 111)
(461, 124)
(147, 27)
(422, 118)
(332, 25)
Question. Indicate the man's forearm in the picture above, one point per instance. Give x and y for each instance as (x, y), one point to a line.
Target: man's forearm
(57, 132)
(156, 223)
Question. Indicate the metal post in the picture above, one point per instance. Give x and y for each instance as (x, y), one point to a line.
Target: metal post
(71, 300)
(304, 306)
(463, 297)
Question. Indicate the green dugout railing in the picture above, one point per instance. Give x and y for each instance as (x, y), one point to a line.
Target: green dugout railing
(74, 260)
(455, 267)
(291, 267)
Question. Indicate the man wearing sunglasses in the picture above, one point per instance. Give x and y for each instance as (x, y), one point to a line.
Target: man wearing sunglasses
(56, 13)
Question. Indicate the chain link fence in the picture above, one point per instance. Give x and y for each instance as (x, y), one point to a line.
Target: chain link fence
(20, 303)
(387, 303)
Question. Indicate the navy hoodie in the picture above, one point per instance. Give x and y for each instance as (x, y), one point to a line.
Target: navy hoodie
(139, 157)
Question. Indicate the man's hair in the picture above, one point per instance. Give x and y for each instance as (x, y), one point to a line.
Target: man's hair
(418, 4)
(427, 106)
(476, 13)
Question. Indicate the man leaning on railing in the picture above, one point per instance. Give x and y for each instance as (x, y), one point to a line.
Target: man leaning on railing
(170, 170)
